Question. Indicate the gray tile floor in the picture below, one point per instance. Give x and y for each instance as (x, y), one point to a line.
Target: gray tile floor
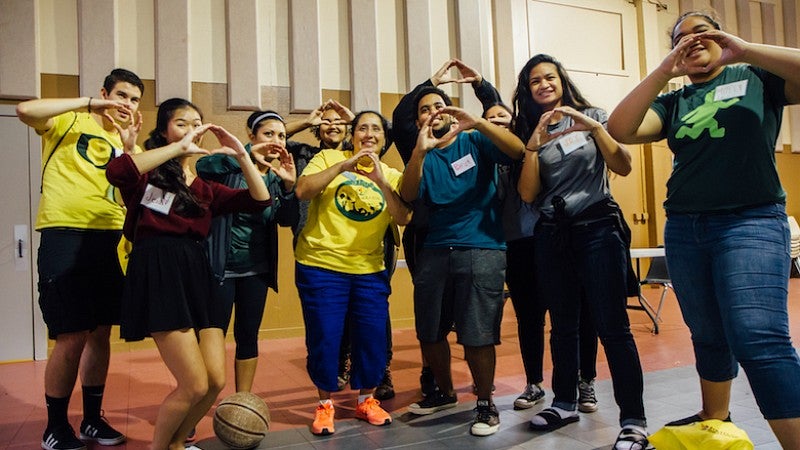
(669, 395)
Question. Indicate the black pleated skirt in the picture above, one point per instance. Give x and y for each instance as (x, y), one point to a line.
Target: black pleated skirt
(167, 287)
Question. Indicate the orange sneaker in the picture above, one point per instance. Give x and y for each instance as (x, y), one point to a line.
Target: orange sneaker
(323, 420)
(370, 411)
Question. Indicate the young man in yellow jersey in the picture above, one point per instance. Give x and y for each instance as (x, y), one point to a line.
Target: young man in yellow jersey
(80, 282)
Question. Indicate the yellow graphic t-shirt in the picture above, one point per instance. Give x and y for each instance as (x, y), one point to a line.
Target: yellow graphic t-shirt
(75, 191)
(346, 221)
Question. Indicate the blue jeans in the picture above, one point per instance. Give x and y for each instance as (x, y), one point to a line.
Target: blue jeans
(327, 297)
(585, 265)
(730, 273)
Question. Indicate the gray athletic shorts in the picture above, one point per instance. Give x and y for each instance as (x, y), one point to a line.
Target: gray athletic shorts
(461, 286)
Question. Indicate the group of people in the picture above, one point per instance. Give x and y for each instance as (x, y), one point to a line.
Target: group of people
(518, 196)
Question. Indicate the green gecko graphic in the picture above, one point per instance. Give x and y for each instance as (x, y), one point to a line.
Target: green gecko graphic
(702, 118)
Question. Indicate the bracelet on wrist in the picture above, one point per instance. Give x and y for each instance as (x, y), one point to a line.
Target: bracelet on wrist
(532, 150)
(89, 105)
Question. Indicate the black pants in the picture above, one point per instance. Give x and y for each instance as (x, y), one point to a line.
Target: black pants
(530, 311)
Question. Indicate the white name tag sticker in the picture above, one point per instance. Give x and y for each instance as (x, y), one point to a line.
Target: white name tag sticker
(117, 152)
(572, 142)
(463, 165)
(157, 199)
(730, 90)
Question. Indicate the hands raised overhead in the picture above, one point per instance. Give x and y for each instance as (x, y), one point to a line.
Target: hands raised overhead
(466, 74)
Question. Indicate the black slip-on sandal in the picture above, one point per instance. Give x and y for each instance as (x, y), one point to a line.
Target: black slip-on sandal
(637, 440)
(553, 420)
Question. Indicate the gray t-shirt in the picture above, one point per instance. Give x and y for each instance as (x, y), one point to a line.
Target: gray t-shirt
(578, 175)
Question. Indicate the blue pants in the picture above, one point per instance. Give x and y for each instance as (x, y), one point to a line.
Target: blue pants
(730, 273)
(327, 297)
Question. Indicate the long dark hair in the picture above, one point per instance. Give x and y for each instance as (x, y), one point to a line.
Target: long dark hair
(526, 111)
(169, 176)
(387, 129)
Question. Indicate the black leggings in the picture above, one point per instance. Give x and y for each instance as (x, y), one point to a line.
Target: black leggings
(521, 281)
(249, 294)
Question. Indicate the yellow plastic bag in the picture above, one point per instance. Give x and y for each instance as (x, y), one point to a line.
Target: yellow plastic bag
(706, 435)
(124, 249)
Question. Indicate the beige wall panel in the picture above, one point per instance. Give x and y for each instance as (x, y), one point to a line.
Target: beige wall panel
(791, 23)
(97, 43)
(392, 75)
(136, 37)
(419, 42)
(511, 38)
(273, 36)
(726, 9)
(334, 29)
(603, 53)
(208, 51)
(444, 40)
(58, 36)
(172, 37)
(474, 46)
(19, 49)
(744, 26)
(364, 77)
(244, 80)
(304, 48)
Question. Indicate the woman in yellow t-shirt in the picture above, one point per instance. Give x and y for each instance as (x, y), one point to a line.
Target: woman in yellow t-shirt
(340, 267)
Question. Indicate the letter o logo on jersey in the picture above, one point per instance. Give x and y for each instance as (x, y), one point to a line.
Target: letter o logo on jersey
(359, 200)
(95, 149)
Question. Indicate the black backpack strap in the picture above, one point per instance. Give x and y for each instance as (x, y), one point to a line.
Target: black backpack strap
(47, 161)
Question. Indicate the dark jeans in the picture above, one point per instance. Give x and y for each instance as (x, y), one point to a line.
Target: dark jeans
(589, 259)
(530, 311)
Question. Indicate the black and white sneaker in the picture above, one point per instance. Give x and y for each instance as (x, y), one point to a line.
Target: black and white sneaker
(436, 401)
(101, 432)
(587, 400)
(61, 438)
(533, 395)
(487, 420)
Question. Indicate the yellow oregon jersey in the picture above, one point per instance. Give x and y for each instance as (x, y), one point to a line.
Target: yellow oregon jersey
(346, 221)
(75, 191)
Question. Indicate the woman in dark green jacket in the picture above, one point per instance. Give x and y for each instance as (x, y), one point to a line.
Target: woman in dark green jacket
(243, 248)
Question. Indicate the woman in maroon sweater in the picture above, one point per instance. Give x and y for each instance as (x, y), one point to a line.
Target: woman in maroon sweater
(168, 284)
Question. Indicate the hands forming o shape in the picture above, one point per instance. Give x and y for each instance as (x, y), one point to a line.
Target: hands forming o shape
(315, 117)
(128, 134)
(466, 74)
(733, 50)
(266, 153)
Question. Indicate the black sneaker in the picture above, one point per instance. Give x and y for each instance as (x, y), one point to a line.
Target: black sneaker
(385, 390)
(432, 403)
(533, 395)
(101, 432)
(487, 421)
(427, 383)
(61, 438)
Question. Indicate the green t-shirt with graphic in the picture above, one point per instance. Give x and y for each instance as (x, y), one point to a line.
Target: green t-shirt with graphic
(723, 135)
